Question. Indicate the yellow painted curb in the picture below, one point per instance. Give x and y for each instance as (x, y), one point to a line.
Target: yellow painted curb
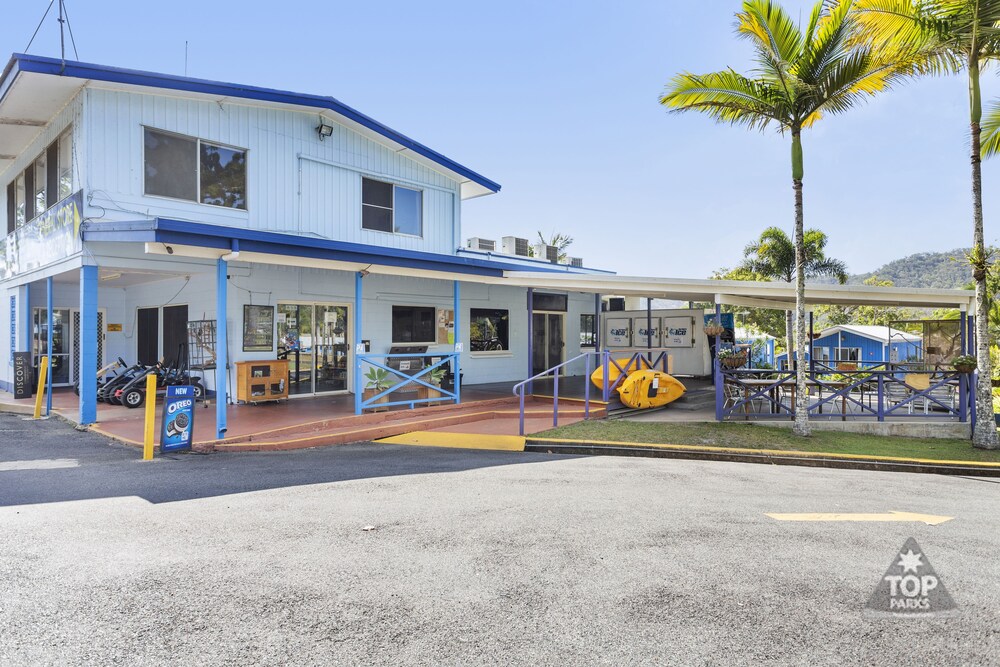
(503, 443)
(769, 452)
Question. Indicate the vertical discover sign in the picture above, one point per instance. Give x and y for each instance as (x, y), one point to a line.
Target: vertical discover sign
(22, 375)
(178, 419)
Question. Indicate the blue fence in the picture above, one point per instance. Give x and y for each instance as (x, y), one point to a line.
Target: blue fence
(387, 380)
(846, 394)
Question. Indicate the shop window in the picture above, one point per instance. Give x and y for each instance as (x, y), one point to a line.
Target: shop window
(391, 208)
(413, 324)
(588, 331)
(186, 168)
(489, 330)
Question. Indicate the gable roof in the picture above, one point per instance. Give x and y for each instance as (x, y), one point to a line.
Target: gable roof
(50, 83)
(873, 332)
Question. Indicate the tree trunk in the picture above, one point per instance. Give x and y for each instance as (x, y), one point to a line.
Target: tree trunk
(801, 426)
(984, 436)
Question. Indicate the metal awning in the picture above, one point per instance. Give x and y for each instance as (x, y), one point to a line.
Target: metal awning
(777, 295)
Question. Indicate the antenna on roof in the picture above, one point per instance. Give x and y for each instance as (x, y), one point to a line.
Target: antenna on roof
(185, 57)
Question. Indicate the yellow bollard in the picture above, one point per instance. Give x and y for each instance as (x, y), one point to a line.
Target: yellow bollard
(147, 441)
(43, 372)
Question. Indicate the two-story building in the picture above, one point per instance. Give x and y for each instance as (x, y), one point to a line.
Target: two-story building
(151, 216)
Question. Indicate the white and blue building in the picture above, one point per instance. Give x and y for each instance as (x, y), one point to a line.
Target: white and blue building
(271, 222)
(862, 345)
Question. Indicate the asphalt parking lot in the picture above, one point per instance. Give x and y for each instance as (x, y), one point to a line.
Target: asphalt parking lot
(475, 557)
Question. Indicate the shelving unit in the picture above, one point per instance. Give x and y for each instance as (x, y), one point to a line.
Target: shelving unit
(259, 381)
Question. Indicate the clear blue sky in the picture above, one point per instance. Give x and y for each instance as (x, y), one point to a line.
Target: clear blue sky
(558, 103)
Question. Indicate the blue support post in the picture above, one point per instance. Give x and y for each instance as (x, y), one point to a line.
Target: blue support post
(597, 322)
(48, 344)
(717, 367)
(358, 345)
(222, 347)
(87, 373)
(531, 337)
(881, 396)
(458, 343)
(26, 324)
(963, 389)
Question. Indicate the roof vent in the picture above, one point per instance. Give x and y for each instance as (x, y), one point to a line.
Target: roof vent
(515, 246)
(486, 245)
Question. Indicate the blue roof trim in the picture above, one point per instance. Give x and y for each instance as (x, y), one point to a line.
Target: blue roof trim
(181, 232)
(57, 67)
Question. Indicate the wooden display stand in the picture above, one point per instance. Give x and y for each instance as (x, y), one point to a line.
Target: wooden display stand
(259, 381)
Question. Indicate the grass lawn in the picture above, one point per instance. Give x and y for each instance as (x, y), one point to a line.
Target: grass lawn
(752, 436)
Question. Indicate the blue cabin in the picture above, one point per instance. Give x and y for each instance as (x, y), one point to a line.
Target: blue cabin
(862, 345)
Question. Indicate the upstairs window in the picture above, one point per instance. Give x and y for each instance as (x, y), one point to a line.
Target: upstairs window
(43, 184)
(186, 168)
(391, 208)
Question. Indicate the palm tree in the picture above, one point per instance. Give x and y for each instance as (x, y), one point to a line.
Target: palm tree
(800, 75)
(948, 36)
(772, 256)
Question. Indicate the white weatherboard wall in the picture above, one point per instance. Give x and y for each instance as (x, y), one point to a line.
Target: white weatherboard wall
(296, 183)
(694, 360)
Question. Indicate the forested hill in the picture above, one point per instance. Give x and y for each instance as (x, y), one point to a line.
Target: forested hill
(924, 269)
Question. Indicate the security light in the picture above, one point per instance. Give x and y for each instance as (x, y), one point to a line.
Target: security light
(324, 130)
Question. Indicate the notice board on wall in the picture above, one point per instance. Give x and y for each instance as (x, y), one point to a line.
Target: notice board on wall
(258, 328)
(445, 326)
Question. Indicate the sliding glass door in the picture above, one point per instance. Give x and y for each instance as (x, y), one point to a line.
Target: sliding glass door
(314, 339)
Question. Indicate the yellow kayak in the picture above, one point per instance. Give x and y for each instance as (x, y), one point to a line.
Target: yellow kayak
(597, 377)
(650, 389)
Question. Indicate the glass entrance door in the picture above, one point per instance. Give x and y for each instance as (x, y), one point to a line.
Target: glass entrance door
(60, 370)
(313, 337)
(330, 348)
(547, 341)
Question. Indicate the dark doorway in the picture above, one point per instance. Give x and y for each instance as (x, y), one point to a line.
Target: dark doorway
(147, 335)
(175, 321)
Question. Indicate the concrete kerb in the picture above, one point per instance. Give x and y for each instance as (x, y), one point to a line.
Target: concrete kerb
(768, 456)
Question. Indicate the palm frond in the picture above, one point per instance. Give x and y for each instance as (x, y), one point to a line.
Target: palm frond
(991, 131)
(726, 96)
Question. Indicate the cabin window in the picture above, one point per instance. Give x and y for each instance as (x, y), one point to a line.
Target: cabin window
(413, 324)
(186, 168)
(391, 208)
(848, 354)
(588, 331)
(821, 353)
(489, 330)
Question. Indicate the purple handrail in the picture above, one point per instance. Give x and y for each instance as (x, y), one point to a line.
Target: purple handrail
(519, 388)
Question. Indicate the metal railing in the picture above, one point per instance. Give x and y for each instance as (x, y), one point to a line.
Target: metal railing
(640, 360)
(400, 381)
(847, 394)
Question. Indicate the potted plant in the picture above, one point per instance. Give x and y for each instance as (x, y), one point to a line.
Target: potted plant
(433, 377)
(731, 357)
(965, 363)
(378, 380)
(713, 328)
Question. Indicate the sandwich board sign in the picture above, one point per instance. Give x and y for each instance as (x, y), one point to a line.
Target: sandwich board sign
(178, 419)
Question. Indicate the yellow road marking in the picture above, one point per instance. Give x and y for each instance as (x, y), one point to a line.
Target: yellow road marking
(505, 443)
(929, 519)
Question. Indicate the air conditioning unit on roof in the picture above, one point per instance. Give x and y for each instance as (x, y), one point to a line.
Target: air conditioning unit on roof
(486, 245)
(576, 262)
(547, 252)
(514, 246)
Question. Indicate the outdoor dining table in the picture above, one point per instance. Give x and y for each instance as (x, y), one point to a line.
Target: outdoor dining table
(750, 383)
